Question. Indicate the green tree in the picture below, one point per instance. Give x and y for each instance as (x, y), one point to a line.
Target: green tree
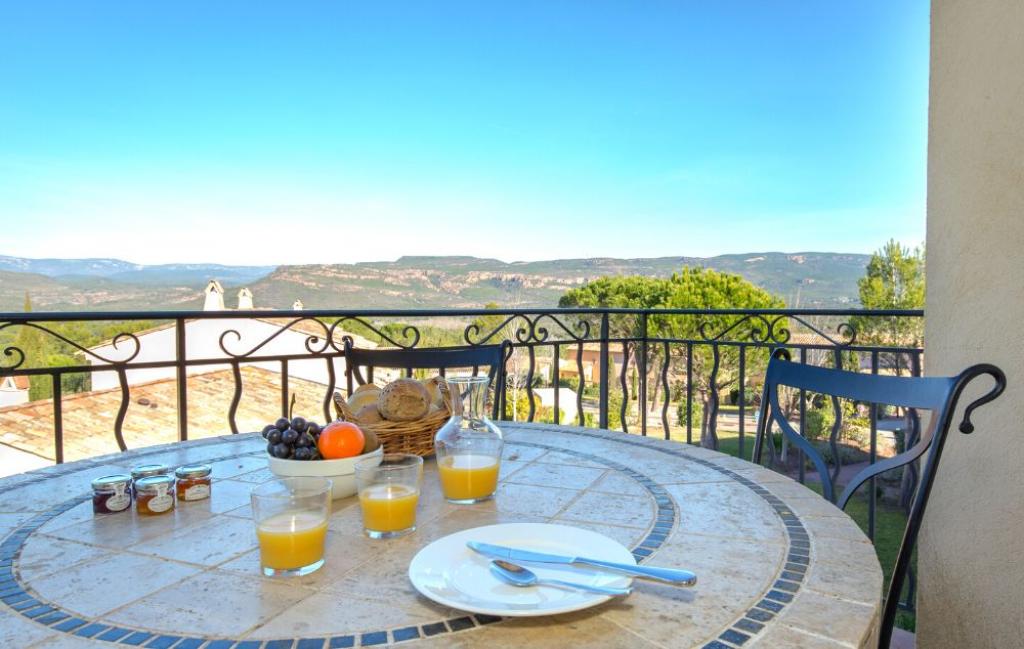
(32, 343)
(681, 413)
(894, 279)
(518, 409)
(42, 350)
(691, 288)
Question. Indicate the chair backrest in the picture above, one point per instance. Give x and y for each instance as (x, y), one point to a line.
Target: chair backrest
(441, 359)
(939, 395)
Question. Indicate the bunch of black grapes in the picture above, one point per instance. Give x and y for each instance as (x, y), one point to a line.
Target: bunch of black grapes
(296, 439)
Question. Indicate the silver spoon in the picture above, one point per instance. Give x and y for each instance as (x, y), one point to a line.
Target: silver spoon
(519, 576)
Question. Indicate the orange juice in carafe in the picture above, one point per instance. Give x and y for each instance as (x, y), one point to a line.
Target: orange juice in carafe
(468, 476)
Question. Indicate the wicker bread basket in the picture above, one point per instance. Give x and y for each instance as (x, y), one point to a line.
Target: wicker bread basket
(413, 437)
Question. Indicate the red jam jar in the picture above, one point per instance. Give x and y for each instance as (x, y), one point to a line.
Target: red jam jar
(111, 494)
(154, 495)
(193, 482)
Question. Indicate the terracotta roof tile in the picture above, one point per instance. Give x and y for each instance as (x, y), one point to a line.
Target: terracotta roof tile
(89, 417)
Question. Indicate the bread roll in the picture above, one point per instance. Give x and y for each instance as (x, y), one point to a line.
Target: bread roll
(433, 386)
(360, 399)
(403, 400)
(369, 414)
(366, 387)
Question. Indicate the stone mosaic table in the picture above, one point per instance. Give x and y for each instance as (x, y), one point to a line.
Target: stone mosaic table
(778, 566)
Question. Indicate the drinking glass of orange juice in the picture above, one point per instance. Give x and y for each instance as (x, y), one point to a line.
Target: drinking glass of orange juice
(469, 445)
(388, 494)
(291, 524)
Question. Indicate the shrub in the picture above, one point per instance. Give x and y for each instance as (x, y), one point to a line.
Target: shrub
(570, 382)
(818, 423)
(698, 414)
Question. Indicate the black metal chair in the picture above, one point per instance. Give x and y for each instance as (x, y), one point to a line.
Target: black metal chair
(491, 356)
(939, 395)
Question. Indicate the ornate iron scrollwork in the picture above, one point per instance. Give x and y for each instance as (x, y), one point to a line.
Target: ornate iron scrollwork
(776, 330)
(530, 331)
(12, 350)
(760, 329)
(311, 342)
(410, 334)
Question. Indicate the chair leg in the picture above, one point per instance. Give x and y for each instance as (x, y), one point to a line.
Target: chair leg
(902, 640)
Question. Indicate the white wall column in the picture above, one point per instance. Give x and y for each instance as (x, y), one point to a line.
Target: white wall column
(971, 551)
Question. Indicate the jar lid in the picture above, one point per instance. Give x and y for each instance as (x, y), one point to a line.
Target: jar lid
(144, 470)
(111, 481)
(154, 483)
(193, 471)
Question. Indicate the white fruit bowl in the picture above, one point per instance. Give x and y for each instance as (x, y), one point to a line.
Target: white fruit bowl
(342, 472)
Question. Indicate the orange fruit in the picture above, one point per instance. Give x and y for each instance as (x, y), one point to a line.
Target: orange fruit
(341, 439)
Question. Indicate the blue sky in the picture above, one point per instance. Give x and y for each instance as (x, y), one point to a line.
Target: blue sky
(291, 132)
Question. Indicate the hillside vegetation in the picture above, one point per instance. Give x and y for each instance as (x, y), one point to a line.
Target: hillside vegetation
(802, 279)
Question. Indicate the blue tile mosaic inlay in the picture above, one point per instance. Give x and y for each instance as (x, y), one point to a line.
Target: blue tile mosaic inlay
(114, 633)
(69, 625)
(90, 630)
(434, 629)
(408, 633)
(734, 636)
(136, 639)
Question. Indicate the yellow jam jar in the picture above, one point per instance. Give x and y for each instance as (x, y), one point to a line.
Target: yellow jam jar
(154, 495)
(194, 481)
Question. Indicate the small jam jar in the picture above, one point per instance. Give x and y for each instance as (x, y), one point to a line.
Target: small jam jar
(111, 494)
(146, 470)
(154, 495)
(194, 481)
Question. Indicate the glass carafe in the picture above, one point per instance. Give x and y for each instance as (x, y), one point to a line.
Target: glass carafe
(469, 445)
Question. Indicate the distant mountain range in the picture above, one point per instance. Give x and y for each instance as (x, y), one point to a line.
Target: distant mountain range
(810, 279)
(127, 272)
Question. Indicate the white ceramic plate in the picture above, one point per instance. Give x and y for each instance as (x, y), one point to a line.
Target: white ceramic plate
(451, 574)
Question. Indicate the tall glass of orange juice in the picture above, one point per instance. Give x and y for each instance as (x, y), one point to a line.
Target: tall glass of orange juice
(291, 524)
(469, 445)
(388, 494)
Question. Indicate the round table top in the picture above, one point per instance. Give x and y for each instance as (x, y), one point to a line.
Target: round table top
(778, 566)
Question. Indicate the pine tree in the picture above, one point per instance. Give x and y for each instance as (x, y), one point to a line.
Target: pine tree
(691, 288)
(31, 342)
(894, 279)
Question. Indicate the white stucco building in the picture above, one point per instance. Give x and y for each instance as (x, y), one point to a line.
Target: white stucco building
(203, 341)
(13, 390)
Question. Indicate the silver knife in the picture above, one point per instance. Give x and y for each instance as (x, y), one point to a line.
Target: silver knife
(670, 575)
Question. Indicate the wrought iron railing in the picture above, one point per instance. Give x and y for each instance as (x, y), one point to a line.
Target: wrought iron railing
(646, 356)
(685, 374)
